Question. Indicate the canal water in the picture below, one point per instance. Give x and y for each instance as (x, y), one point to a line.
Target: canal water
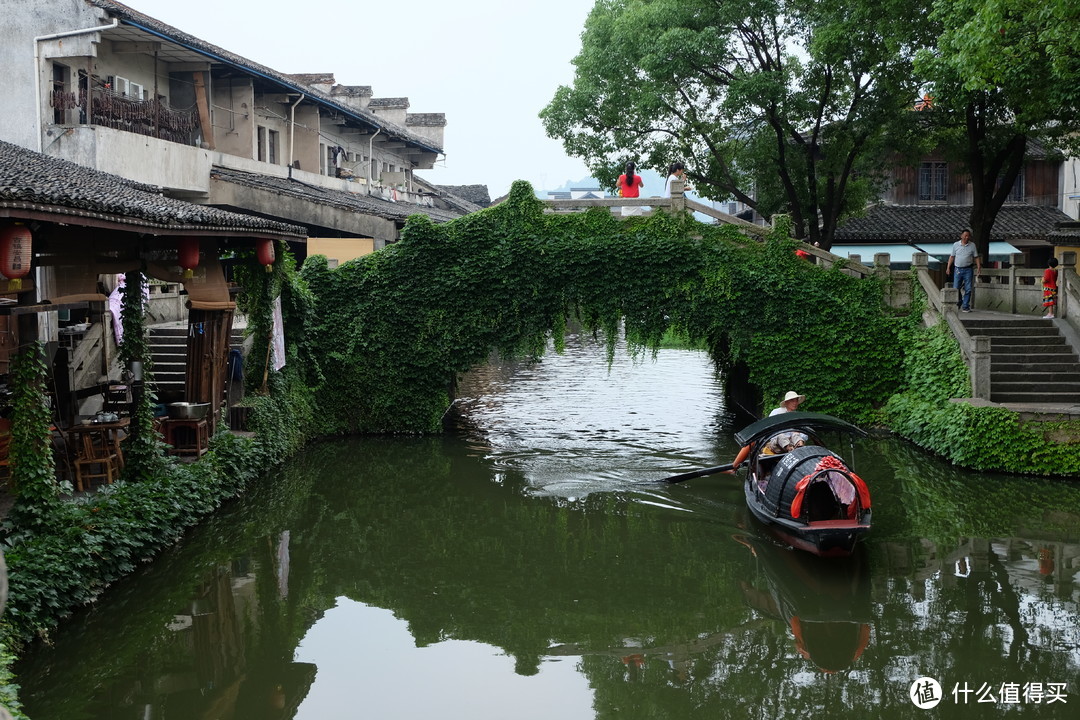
(529, 564)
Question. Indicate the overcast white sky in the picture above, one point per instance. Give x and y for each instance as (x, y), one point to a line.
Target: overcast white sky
(489, 65)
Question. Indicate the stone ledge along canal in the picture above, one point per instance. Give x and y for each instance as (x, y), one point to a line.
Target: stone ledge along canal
(529, 564)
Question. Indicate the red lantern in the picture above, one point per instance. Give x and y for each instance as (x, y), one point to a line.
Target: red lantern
(16, 251)
(188, 255)
(264, 251)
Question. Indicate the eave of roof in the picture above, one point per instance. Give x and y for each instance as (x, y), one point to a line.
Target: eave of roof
(943, 223)
(354, 202)
(37, 185)
(156, 27)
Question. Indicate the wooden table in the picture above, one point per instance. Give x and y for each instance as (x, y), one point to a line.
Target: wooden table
(108, 433)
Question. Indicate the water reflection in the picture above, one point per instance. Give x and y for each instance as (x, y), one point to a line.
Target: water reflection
(477, 576)
(825, 603)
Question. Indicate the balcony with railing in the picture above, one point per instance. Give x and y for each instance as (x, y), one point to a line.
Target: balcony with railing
(143, 140)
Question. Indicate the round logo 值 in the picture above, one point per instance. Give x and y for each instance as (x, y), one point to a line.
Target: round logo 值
(925, 693)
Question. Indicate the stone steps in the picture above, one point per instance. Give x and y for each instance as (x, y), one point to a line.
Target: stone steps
(168, 350)
(1031, 361)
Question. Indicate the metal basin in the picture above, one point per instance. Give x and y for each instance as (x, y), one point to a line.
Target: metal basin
(187, 411)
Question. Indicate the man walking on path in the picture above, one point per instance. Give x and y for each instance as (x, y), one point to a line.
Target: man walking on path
(966, 263)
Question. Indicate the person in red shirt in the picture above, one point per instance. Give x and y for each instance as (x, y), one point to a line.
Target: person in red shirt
(1050, 288)
(630, 187)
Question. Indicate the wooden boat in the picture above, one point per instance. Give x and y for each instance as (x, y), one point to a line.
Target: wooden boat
(802, 491)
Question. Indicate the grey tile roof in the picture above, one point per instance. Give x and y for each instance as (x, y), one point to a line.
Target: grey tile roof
(135, 17)
(354, 202)
(943, 223)
(475, 194)
(32, 181)
(398, 102)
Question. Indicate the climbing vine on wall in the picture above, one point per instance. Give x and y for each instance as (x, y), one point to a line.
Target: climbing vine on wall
(391, 331)
(32, 462)
(144, 452)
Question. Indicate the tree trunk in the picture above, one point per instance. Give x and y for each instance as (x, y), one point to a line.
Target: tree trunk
(987, 168)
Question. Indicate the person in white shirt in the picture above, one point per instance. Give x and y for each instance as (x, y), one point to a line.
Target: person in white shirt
(676, 171)
(965, 260)
(790, 403)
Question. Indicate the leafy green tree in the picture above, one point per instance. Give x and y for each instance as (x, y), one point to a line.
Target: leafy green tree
(784, 105)
(1005, 76)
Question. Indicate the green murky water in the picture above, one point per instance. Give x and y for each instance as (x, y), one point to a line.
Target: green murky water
(529, 565)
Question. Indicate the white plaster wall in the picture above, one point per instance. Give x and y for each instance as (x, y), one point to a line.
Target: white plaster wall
(305, 137)
(434, 133)
(395, 115)
(243, 164)
(1070, 188)
(20, 22)
(135, 67)
(358, 144)
(136, 157)
(233, 120)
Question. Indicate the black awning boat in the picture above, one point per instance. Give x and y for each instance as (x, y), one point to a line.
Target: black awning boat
(802, 491)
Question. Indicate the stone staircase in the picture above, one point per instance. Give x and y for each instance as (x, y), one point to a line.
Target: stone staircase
(1031, 360)
(168, 350)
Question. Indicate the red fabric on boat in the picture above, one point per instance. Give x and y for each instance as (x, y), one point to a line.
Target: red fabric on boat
(828, 462)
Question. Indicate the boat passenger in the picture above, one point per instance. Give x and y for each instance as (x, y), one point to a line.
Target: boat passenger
(783, 443)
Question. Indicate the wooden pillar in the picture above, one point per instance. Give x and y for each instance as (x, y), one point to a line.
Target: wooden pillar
(208, 358)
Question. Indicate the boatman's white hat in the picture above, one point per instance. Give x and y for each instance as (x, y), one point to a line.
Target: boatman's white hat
(792, 395)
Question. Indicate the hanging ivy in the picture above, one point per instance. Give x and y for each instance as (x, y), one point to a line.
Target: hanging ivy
(32, 462)
(391, 331)
(144, 452)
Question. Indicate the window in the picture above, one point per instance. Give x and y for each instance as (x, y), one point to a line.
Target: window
(260, 143)
(272, 147)
(933, 182)
(1017, 193)
(60, 75)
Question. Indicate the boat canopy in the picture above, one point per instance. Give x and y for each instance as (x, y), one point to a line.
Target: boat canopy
(791, 420)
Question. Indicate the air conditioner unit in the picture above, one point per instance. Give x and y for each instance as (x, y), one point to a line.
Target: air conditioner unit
(120, 85)
(135, 91)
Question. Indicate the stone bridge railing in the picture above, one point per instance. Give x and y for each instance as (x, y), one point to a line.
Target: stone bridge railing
(897, 290)
(678, 202)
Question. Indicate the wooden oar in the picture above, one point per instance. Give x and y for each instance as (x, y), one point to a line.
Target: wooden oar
(699, 473)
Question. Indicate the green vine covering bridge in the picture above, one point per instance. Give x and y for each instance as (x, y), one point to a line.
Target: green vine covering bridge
(385, 336)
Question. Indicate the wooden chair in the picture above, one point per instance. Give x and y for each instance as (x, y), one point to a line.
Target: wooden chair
(97, 458)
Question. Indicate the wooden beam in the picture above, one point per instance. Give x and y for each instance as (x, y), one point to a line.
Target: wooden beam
(135, 47)
(203, 103)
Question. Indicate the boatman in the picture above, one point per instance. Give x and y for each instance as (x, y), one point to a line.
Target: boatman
(790, 403)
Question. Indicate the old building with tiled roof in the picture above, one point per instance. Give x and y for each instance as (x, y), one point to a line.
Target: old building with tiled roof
(86, 228)
(926, 205)
(904, 229)
(111, 88)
